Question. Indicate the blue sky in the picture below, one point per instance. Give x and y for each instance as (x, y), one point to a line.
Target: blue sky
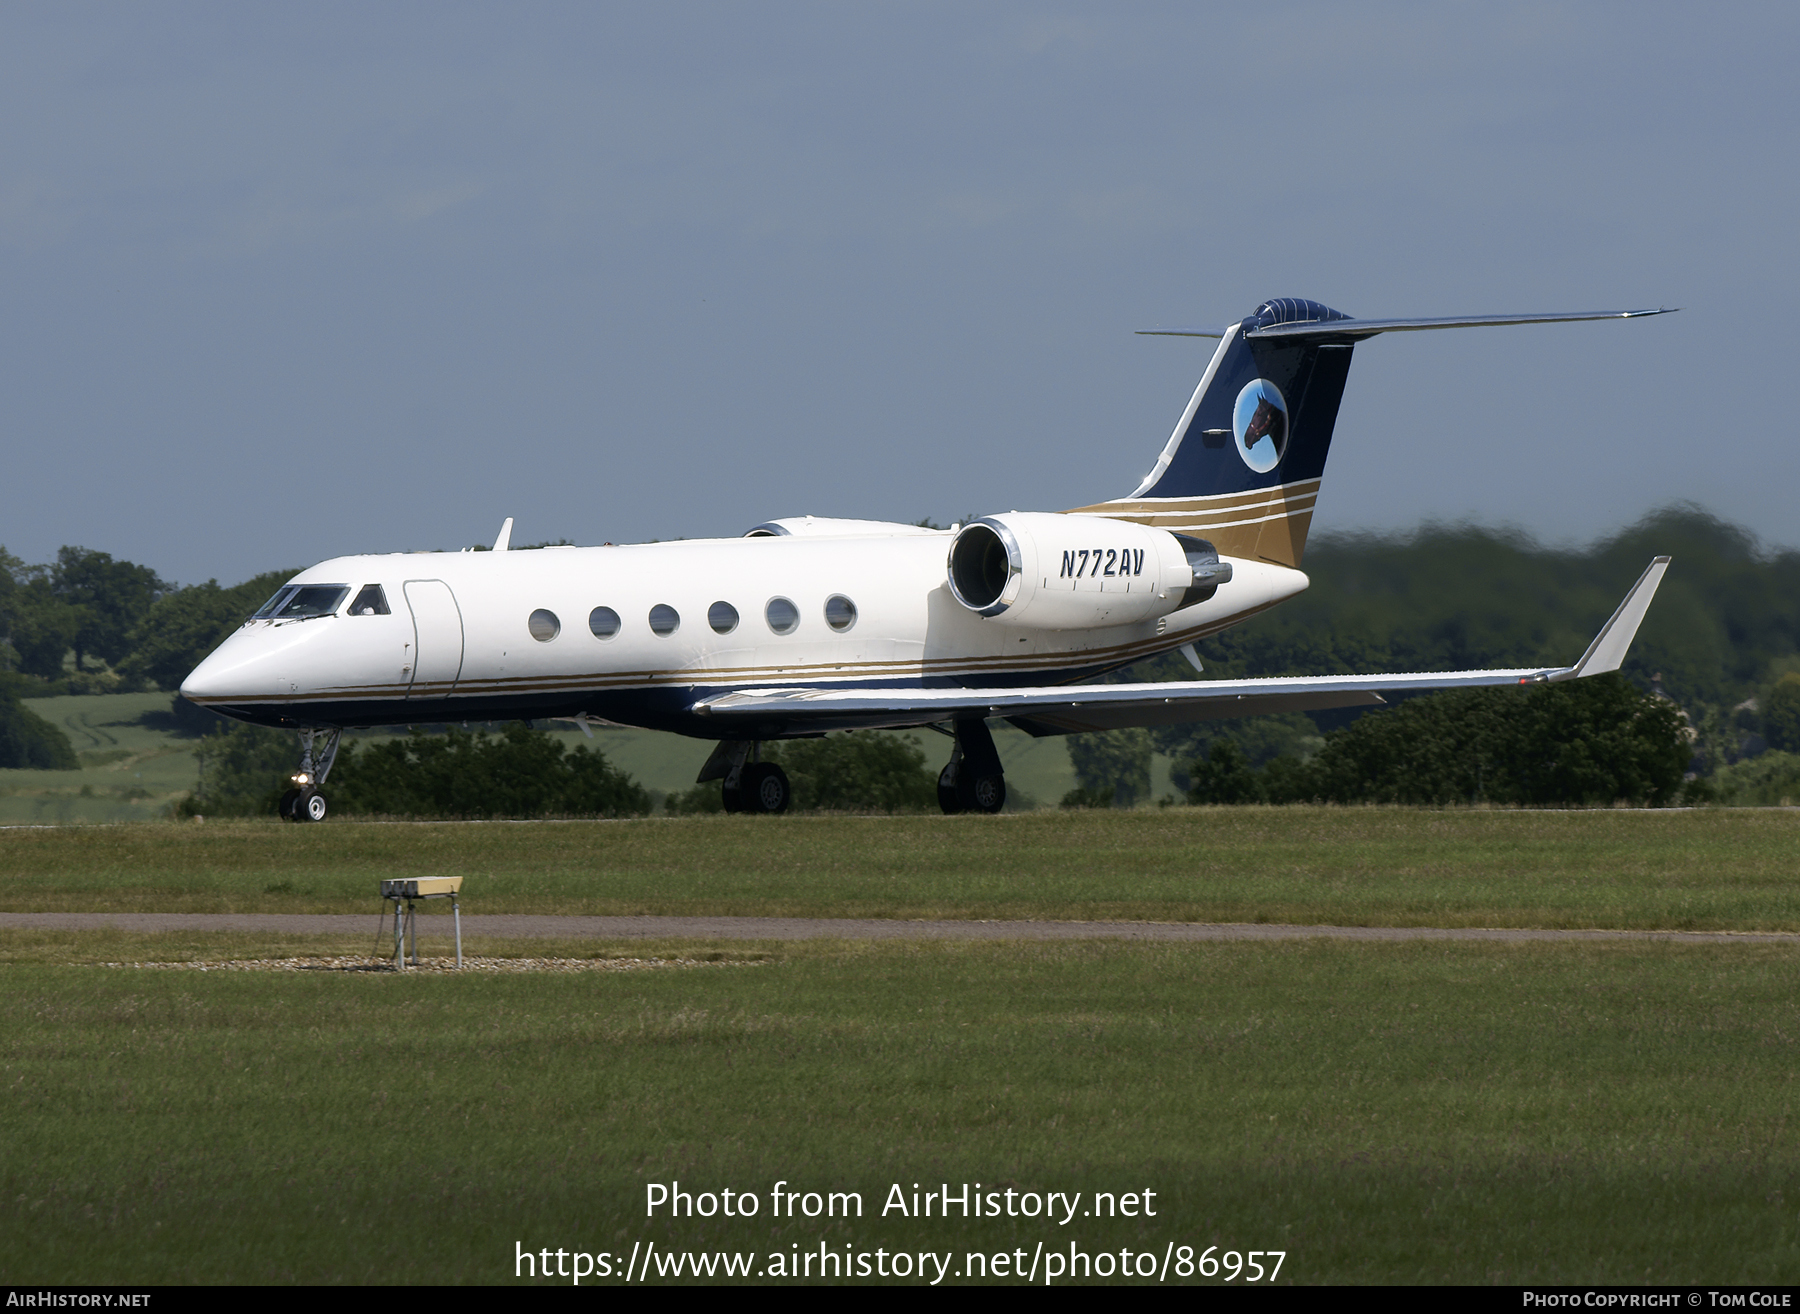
(287, 282)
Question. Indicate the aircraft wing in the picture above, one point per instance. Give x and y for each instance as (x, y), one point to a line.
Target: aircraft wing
(1068, 709)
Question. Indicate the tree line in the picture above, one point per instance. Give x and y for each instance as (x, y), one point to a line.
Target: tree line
(518, 772)
(1721, 646)
(88, 623)
(1719, 653)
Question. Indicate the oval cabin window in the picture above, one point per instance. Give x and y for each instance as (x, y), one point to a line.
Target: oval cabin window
(783, 616)
(543, 625)
(664, 620)
(604, 622)
(723, 617)
(840, 612)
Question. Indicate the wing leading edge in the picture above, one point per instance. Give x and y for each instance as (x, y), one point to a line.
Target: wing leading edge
(1075, 708)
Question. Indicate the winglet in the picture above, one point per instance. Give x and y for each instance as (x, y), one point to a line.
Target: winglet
(1608, 649)
(505, 539)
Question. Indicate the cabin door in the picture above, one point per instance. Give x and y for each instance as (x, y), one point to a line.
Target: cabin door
(437, 638)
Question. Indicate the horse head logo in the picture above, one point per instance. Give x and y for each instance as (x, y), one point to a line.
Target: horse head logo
(1260, 422)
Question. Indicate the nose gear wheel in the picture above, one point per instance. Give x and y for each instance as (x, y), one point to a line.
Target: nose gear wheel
(304, 802)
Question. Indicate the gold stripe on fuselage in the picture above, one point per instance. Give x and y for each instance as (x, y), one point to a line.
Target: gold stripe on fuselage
(1267, 523)
(1093, 660)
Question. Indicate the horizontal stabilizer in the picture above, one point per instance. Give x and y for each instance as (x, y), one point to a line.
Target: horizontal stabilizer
(1186, 332)
(1355, 330)
(1071, 709)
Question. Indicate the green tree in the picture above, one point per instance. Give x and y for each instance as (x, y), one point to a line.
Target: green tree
(1781, 714)
(184, 625)
(701, 800)
(1580, 743)
(1113, 763)
(27, 740)
(1769, 780)
(40, 626)
(12, 573)
(1583, 742)
(1224, 775)
(863, 771)
(521, 772)
(243, 771)
(109, 596)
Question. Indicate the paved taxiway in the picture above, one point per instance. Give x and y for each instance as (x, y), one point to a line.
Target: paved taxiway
(531, 926)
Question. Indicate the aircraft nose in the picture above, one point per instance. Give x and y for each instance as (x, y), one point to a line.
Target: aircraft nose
(208, 681)
(238, 667)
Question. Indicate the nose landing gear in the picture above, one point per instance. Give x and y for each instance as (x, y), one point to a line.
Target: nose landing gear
(973, 781)
(304, 802)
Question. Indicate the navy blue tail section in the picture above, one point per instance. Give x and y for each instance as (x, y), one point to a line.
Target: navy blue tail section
(1242, 468)
(1264, 413)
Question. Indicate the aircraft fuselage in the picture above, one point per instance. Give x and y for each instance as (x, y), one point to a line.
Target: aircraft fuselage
(639, 634)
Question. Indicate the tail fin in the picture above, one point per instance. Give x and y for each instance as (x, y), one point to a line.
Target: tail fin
(1242, 468)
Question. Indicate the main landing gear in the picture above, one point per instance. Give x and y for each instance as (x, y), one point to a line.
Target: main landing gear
(304, 802)
(748, 783)
(973, 780)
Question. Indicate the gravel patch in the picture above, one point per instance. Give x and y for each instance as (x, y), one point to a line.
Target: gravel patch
(470, 963)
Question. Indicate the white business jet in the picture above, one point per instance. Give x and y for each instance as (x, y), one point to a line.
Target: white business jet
(805, 625)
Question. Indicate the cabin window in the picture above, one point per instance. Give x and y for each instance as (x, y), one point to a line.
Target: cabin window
(543, 625)
(664, 620)
(783, 616)
(299, 601)
(371, 601)
(604, 622)
(840, 612)
(723, 617)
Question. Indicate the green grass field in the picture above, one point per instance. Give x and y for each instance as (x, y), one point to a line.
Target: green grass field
(129, 771)
(1400, 1113)
(1704, 870)
(1414, 1112)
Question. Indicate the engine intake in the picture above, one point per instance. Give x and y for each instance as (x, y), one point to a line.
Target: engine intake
(1077, 572)
(985, 560)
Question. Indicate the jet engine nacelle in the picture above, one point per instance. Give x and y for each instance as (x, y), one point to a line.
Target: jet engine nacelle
(1068, 572)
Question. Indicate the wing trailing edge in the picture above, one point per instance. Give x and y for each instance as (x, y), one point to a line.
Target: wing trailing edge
(1073, 709)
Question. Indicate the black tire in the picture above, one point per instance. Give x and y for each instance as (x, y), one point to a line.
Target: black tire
(947, 796)
(311, 806)
(732, 796)
(766, 789)
(985, 792)
(287, 808)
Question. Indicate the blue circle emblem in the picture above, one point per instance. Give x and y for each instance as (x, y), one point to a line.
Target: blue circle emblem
(1260, 422)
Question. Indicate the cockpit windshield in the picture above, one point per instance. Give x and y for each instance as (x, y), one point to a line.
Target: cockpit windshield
(299, 601)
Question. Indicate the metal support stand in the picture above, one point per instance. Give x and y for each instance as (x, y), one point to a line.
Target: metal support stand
(318, 752)
(406, 896)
